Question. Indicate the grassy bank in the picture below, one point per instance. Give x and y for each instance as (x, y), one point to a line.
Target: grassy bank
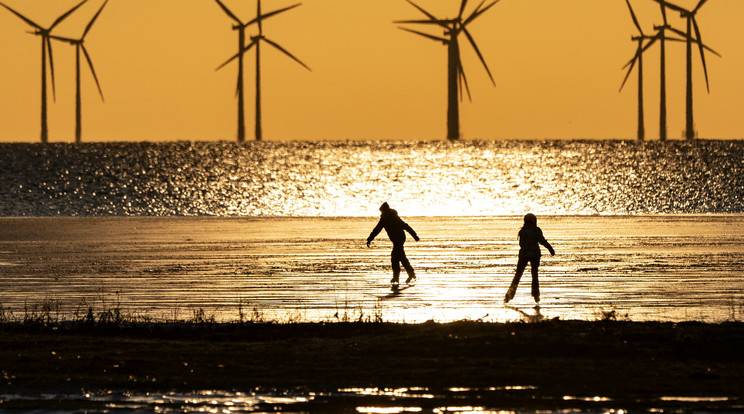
(610, 358)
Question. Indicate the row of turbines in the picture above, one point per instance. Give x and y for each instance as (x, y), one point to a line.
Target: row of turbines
(45, 33)
(645, 42)
(452, 29)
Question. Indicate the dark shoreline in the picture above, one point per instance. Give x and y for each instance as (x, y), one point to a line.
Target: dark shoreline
(621, 360)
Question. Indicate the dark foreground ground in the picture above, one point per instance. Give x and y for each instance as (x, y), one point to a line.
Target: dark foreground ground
(624, 361)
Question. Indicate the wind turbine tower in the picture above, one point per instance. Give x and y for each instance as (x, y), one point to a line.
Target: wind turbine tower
(661, 34)
(455, 74)
(661, 37)
(637, 58)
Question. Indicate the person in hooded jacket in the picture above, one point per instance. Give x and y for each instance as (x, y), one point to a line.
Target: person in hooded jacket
(396, 229)
(530, 237)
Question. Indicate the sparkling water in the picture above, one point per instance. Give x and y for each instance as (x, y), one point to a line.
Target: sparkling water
(331, 179)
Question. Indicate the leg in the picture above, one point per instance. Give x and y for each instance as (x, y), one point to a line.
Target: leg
(406, 264)
(534, 267)
(395, 261)
(521, 264)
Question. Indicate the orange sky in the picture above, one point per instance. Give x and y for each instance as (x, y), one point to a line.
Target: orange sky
(557, 66)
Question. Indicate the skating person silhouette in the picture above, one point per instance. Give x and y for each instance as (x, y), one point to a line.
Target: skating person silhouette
(530, 237)
(396, 229)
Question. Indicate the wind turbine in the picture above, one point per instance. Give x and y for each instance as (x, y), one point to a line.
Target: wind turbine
(242, 48)
(46, 45)
(80, 46)
(637, 58)
(691, 22)
(455, 73)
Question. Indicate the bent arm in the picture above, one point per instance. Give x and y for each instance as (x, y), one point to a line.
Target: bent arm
(548, 246)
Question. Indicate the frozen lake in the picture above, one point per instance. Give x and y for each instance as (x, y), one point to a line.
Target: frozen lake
(651, 267)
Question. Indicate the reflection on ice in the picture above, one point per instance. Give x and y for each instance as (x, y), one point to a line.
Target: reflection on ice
(696, 399)
(202, 401)
(593, 399)
(388, 410)
(506, 388)
(645, 268)
(501, 400)
(389, 392)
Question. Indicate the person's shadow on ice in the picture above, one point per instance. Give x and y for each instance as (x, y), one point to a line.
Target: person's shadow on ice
(537, 317)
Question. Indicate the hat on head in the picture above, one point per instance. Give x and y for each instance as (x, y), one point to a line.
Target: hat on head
(530, 218)
(384, 207)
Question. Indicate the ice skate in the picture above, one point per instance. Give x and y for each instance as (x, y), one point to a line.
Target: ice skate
(510, 293)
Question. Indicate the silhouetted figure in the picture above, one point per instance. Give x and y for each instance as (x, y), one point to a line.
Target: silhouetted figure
(530, 238)
(396, 229)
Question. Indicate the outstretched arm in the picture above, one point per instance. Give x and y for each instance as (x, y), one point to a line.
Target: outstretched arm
(375, 232)
(409, 229)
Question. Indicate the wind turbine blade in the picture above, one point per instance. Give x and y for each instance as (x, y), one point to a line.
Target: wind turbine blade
(627, 75)
(672, 6)
(631, 61)
(426, 35)
(51, 66)
(92, 69)
(64, 16)
(63, 39)
(679, 32)
(259, 17)
(479, 11)
(436, 22)
(90, 24)
(281, 49)
(650, 42)
(429, 15)
(685, 37)
(478, 7)
(711, 50)
(662, 4)
(464, 79)
(702, 51)
(24, 18)
(228, 12)
(462, 8)
(270, 14)
(635, 20)
(235, 56)
(459, 79)
(699, 5)
(480, 56)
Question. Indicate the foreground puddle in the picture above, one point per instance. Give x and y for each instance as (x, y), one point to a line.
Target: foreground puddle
(502, 400)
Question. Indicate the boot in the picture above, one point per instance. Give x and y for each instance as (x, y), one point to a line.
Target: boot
(510, 293)
(411, 277)
(394, 280)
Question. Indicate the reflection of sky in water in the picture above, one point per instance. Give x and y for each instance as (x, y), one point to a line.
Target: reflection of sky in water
(352, 178)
